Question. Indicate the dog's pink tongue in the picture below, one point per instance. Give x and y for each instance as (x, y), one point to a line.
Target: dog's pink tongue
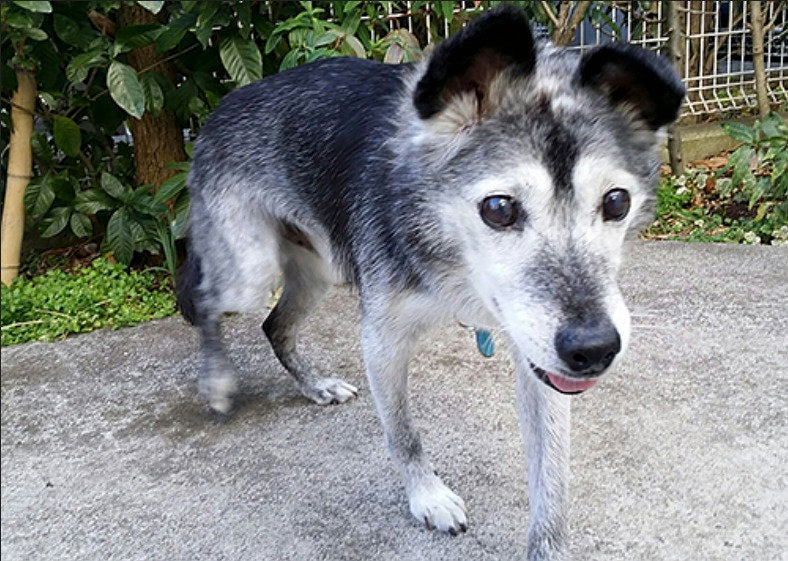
(569, 386)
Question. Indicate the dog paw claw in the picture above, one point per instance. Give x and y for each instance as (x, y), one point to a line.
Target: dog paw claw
(329, 391)
(438, 506)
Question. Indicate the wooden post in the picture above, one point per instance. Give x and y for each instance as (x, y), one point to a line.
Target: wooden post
(758, 62)
(20, 168)
(675, 54)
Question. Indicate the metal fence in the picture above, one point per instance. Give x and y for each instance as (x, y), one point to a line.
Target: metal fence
(716, 63)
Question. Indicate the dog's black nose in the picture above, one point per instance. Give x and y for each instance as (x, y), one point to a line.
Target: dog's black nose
(588, 347)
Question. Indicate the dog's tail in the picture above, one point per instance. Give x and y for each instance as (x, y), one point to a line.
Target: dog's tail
(186, 281)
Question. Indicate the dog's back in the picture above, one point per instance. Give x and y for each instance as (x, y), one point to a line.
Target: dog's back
(257, 135)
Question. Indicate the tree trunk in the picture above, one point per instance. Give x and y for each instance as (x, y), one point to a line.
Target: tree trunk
(158, 140)
(673, 21)
(566, 21)
(20, 167)
(759, 65)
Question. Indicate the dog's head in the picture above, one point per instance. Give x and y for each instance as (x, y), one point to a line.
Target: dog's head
(545, 160)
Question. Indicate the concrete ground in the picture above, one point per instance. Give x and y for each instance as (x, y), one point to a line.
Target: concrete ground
(680, 454)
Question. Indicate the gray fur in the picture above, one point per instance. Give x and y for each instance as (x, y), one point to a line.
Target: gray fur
(329, 173)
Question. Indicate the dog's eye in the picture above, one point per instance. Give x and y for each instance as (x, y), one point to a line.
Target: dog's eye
(615, 204)
(498, 211)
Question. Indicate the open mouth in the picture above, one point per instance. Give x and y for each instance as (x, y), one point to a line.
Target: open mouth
(562, 384)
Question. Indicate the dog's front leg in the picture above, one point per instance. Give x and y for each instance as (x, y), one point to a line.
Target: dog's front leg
(544, 420)
(387, 344)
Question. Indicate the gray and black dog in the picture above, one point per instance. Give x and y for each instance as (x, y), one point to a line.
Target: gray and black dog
(492, 183)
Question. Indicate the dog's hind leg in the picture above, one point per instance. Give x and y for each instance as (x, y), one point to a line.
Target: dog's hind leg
(388, 338)
(305, 285)
(218, 379)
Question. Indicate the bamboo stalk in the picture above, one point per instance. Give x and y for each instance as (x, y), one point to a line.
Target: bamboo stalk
(20, 167)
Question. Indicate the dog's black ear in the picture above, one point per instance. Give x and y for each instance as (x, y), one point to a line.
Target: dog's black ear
(634, 79)
(468, 61)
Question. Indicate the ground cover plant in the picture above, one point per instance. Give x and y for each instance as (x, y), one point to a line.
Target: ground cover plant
(741, 197)
(101, 294)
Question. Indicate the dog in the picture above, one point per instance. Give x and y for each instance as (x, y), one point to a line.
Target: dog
(493, 183)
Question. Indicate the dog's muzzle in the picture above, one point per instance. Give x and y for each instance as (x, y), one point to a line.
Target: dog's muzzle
(587, 349)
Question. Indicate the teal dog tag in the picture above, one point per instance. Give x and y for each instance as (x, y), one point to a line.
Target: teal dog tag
(485, 342)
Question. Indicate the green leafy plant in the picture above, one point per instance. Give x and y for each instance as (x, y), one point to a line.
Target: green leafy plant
(105, 294)
(308, 36)
(745, 201)
(759, 171)
(681, 214)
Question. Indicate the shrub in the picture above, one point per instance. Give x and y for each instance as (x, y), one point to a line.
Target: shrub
(744, 201)
(759, 173)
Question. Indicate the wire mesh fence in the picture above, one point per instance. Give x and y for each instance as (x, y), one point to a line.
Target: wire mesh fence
(715, 42)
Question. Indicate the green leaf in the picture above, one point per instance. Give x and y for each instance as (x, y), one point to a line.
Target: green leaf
(135, 36)
(350, 6)
(740, 162)
(740, 132)
(242, 59)
(356, 47)
(36, 34)
(55, 221)
(125, 88)
(119, 240)
(763, 208)
(173, 33)
(77, 69)
(154, 96)
(244, 11)
(40, 7)
(141, 198)
(64, 186)
(93, 201)
(290, 60)
(179, 225)
(68, 30)
(773, 127)
(113, 187)
(272, 42)
(205, 22)
(446, 9)
(39, 196)
(170, 188)
(327, 38)
(152, 6)
(18, 20)
(41, 148)
(757, 191)
(67, 135)
(142, 229)
(81, 225)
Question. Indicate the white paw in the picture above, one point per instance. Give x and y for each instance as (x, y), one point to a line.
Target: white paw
(327, 391)
(437, 506)
(219, 392)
